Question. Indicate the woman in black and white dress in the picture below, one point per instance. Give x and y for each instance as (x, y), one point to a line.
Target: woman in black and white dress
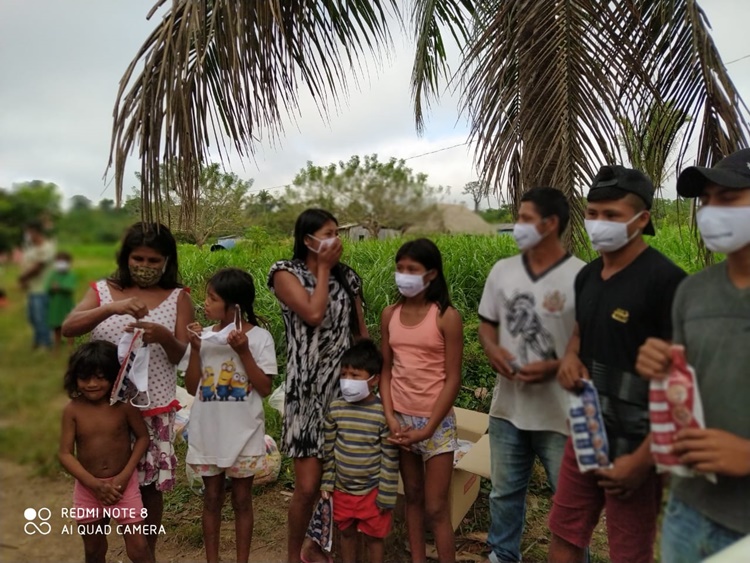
(321, 301)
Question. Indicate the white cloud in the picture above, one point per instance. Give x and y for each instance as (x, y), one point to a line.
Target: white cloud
(61, 62)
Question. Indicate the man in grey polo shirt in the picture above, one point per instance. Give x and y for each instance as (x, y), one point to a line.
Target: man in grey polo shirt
(711, 318)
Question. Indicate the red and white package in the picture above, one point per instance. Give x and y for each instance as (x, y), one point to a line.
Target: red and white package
(675, 404)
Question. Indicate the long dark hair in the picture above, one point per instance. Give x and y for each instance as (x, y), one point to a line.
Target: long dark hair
(152, 235)
(236, 287)
(308, 222)
(425, 252)
(97, 357)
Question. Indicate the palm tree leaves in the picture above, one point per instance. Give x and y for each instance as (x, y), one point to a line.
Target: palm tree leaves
(222, 67)
(688, 73)
(540, 93)
(548, 84)
(551, 85)
(430, 66)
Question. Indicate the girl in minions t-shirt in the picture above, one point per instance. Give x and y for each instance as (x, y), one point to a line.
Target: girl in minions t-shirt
(231, 367)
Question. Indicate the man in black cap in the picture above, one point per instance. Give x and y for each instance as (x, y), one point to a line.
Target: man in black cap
(711, 319)
(622, 298)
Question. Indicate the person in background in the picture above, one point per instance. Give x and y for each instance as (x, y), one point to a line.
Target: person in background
(527, 315)
(61, 286)
(36, 263)
(621, 298)
(321, 302)
(711, 319)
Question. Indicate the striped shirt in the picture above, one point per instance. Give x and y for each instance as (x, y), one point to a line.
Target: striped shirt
(358, 456)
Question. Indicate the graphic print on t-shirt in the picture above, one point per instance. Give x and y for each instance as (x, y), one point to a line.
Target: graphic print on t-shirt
(523, 322)
(230, 384)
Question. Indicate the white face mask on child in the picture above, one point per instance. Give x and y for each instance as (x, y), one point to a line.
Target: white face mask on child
(410, 285)
(220, 337)
(355, 390)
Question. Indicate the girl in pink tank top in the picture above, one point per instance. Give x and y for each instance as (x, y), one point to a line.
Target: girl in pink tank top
(422, 339)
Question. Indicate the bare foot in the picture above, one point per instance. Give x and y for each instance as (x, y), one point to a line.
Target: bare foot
(313, 553)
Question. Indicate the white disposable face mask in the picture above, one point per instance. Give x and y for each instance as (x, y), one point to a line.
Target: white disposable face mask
(322, 243)
(527, 235)
(724, 229)
(410, 285)
(609, 236)
(355, 390)
(139, 358)
(220, 337)
(61, 265)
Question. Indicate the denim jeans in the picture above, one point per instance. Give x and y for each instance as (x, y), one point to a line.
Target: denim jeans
(689, 537)
(37, 314)
(512, 454)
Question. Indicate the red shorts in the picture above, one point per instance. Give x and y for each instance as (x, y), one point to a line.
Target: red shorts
(128, 511)
(361, 510)
(631, 522)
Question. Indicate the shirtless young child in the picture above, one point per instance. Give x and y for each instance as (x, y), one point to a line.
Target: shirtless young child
(95, 448)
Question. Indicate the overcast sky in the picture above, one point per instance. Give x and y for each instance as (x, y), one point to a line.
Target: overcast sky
(61, 61)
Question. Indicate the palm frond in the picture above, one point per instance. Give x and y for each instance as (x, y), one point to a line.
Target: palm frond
(688, 72)
(225, 69)
(430, 65)
(540, 90)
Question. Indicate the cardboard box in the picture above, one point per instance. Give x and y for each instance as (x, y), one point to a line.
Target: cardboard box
(472, 426)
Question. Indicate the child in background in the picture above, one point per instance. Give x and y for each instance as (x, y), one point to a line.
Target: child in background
(422, 339)
(99, 435)
(230, 369)
(360, 467)
(61, 285)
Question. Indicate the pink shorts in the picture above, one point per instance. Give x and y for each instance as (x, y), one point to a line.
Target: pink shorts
(631, 522)
(128, 511)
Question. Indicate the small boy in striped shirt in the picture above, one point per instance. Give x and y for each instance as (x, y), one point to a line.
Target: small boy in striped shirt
(360, 468)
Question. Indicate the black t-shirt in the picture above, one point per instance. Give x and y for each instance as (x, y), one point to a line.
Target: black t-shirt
(615, 317)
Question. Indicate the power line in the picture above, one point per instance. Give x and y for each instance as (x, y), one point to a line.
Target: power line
(438, 150)
(737, 60)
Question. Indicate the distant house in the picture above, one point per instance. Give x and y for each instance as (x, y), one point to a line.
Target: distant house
(355, 231)
(503, 228)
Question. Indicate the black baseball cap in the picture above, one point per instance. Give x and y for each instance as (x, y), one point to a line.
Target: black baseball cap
(732, 171)
(615, 182)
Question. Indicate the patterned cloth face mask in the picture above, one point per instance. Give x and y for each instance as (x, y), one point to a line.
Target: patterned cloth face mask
(146, 276)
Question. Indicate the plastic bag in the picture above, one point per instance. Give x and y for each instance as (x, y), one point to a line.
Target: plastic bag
(674, 404)
(276, 399)
(587, 429)
(269, 474)
(272, 466)
(321, 525)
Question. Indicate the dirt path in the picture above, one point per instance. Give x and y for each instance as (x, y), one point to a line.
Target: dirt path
(19, 492)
